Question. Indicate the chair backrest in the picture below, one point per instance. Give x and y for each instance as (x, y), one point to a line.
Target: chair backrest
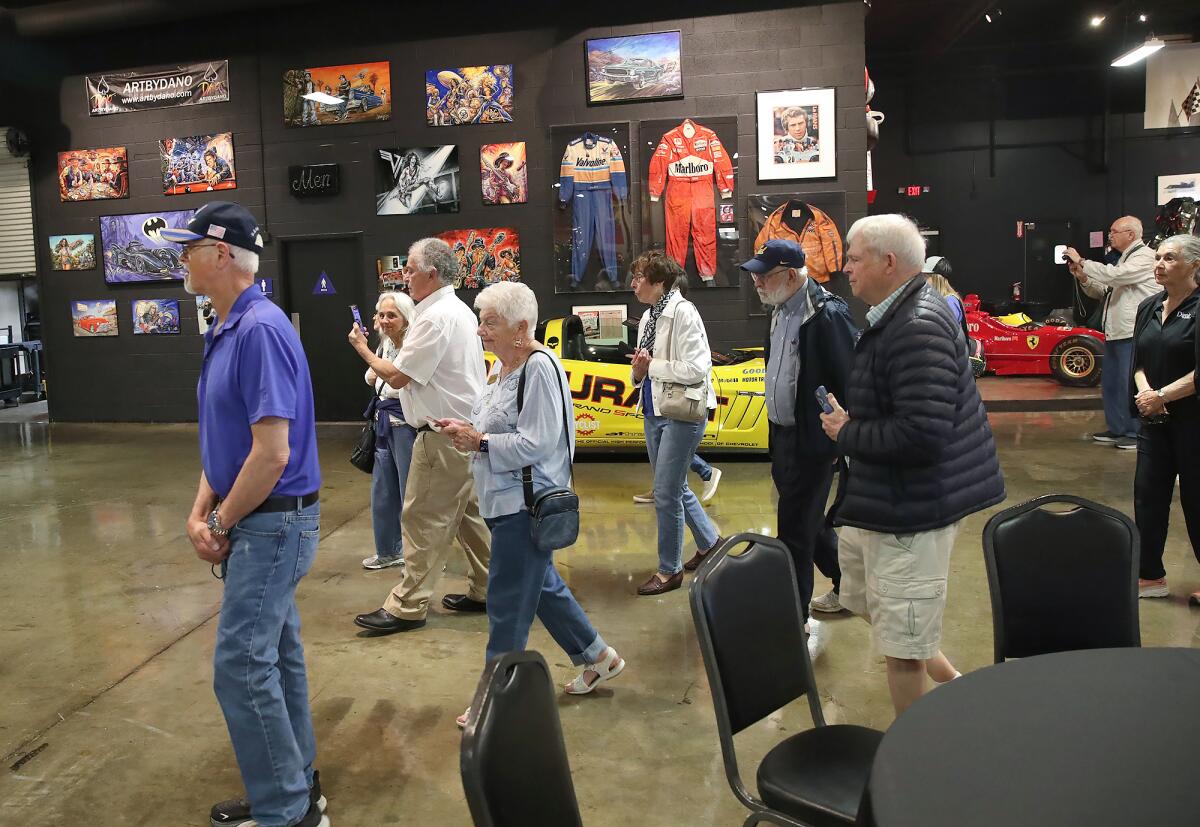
(513, 760)
(751, 632)
(1061, 580)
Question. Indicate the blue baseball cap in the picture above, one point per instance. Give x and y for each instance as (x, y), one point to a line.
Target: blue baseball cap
(777, 252)
(224, 221)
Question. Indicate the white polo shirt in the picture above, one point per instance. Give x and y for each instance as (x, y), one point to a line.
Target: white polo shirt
(443, 357)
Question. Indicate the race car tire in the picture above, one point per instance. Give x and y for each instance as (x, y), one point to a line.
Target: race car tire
(1075, 361)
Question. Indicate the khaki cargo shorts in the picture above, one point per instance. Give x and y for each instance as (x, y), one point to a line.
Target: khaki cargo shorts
(898, 583)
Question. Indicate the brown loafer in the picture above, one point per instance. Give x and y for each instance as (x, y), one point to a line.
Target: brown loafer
(698, 557)
(656, 585)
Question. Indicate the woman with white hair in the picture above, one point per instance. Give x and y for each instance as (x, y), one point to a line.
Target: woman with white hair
(1163, 387)
(393, 436)
(507, 436)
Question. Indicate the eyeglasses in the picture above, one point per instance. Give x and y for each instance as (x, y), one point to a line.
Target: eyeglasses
(186, 253)
(1114, 232)
(767, 275)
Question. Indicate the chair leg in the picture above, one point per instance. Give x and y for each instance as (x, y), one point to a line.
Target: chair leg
(752, 820)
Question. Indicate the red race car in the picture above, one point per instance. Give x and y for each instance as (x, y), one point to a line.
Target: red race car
(1017, 345)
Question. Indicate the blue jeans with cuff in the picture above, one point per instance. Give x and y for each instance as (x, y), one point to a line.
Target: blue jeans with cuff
(388, 479)
(671, 445)
(522, 583)
(701, 467)
(259, 674)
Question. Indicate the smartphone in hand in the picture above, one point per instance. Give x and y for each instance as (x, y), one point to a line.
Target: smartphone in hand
(823, 399)
(357, 318)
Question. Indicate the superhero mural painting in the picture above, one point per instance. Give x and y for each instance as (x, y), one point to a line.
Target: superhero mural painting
(93, 174)
(485, 256)
(503, 176)
(690, 183)
(351, 93)
(469, 94)
(592, 244)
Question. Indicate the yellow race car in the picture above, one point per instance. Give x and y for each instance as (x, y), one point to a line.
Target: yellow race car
(605, 400)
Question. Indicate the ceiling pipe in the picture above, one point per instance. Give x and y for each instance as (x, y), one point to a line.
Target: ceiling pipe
(72, 17)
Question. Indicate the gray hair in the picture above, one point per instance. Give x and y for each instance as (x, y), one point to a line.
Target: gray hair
(404, 304)
(244, 260)
(1189, 249)
(891, 233)
(435, 254)
(1133, 223)
(510, 300)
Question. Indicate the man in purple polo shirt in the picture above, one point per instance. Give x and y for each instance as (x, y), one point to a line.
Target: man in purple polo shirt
(256, 515)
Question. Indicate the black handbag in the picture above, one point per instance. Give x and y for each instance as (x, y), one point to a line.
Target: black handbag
(554, 511)
(363, 455)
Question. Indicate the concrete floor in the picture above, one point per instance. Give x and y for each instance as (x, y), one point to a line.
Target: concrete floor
(108, 716)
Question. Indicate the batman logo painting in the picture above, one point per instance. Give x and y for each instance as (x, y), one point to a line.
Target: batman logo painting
(134, 247)
(153, 226)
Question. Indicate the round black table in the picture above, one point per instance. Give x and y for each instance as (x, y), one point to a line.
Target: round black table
(1098, 737)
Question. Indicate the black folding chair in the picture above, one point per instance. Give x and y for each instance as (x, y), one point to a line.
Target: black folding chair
(751, 632)
(1061, 580)
(513, 761)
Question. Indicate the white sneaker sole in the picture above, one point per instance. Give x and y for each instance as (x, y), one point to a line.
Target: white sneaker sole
(378, 567)
(824, 609)
(1154, 591)
(710, 487)
(640, 500)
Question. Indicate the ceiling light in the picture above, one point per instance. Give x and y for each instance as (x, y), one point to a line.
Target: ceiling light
(1142, 18)
(1140, 53)
(988, 18)
(321, 97)
(1097, 20)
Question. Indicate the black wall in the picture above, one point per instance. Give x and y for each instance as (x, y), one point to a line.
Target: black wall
(1091, 177)
(726, 58)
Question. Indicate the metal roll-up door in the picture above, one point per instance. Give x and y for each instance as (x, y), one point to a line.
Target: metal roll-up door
(17, 248)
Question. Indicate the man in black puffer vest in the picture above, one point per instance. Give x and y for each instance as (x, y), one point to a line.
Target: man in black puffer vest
(920, 452)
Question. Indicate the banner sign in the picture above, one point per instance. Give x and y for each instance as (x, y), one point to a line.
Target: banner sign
(197, 83)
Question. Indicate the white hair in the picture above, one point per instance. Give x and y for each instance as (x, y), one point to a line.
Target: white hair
(435, 254)
(510, 300)
(891, 233)
(1132, 223)
(244, 260)
(404, 304)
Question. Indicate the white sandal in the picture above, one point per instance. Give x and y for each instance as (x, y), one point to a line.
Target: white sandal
(461, 720)
(606, 669)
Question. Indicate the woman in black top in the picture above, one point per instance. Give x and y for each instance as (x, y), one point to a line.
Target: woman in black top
(1163, 386)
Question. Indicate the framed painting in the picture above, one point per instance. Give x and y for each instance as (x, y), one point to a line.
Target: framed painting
(416, 180)
(485, 256)
(351, 93)
(797, 134)
(135, 251)
(155, 316)
(201, 163)
(96, 317)
(469, 95)
(73, 252)
(93, 174)
(634, 68)
(503, 176)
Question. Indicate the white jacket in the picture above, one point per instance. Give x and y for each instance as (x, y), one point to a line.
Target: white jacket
(681, 353)
(1131, 280)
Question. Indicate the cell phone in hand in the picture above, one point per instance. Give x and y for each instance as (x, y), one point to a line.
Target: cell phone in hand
(357, 318)
(823, 399)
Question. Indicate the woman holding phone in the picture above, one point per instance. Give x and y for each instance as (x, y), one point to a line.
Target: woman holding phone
(393, 436)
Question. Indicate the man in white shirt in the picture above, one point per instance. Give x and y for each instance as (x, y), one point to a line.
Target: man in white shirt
(1122, 286)
(440, 373)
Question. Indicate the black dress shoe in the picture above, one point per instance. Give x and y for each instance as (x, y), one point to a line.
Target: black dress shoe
(381, 621)
(463, 603)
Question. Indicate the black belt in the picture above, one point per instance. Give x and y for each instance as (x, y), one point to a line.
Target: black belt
(426, 428)
(275, 504)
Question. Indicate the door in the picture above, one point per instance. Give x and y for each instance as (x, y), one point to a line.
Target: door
(1046, 284)
(321, 278)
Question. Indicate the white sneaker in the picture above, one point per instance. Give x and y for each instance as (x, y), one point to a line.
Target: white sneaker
(818, 638)
(827, 602)
(376, 563)
(1153, 588)
(710, 486)
(648, 497)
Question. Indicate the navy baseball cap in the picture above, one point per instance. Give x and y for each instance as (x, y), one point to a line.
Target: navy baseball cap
(224, 221)
(778, 252)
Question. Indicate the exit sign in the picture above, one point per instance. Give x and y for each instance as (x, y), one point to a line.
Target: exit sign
(913, 191)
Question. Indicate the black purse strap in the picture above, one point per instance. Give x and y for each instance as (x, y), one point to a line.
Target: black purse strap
(527, 471)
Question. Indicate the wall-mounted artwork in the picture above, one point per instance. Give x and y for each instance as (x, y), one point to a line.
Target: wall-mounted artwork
(634, 68)
(201, 163)
(469, 94)
(390, 270)
(73, 252)
(205, 315)
(93, 174)
(415, 180)
(135, 251)
(351, 93)
(97, 317)
(188, 85)
(1173, 87)
(485, 256)
(155, 316)
(797, 134)
(1178, 186)
(505, 180)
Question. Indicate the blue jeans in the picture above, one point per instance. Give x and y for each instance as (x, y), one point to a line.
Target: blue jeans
(258, 666)
(1114, 387)
(671, 445)
(700, 466)
(522, 582)
(387, 490)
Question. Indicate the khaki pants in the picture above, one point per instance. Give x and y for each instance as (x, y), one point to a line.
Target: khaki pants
(439, 504)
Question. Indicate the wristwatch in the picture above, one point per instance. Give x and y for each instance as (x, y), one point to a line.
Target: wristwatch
(483, 444)
(214, 525)
(1162, 396)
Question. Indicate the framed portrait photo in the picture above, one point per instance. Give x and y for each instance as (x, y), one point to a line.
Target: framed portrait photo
(797, 134)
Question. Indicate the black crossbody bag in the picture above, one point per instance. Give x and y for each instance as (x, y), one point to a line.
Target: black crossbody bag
(363, 455)
(554, 511)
